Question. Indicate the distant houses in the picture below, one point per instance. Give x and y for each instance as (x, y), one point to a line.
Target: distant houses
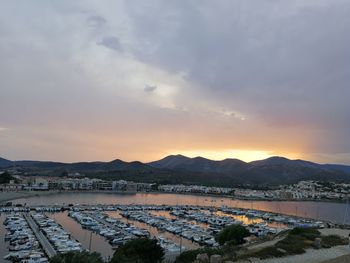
(180, 188)
(303, 190)
(36, 183)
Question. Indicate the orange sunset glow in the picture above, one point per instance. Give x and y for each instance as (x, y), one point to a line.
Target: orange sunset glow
(229, 83)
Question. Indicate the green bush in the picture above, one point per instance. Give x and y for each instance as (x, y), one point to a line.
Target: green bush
(308, 233)
(187, 256)
(333, 240)
(190, 255)
(233, 235)
(296, 242)
(269, 252)
(298, 239)
(293, 244)
(141, 250)
(77, 257)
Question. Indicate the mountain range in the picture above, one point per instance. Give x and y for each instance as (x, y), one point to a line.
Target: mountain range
(198, 170)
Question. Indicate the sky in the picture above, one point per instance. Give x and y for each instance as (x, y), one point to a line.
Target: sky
(91, 80)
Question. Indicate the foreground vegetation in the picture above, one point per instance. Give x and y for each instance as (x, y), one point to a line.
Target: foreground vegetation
(296, 242)
(77, 257)
(232, 235)
(190, 255)
(142, 250)
(231, 238)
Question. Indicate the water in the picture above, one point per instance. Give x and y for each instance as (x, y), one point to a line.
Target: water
(155, 232)
(335, 212)
(87, 238)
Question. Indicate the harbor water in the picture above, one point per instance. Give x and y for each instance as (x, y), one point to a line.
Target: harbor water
(335, 212)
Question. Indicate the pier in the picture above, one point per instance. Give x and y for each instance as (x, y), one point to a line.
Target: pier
(46, 245)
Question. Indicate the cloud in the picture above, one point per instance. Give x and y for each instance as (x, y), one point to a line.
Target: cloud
(96, 21)
(278, 65)
(281, 63)
(150, 89)
(111, 43)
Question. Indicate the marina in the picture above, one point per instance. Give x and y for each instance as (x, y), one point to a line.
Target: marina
(176, 227)
(90, 240)
(329, 211)
(117, 231)
(174, 131)
(56, 235)
(47, 247)
(23, 244)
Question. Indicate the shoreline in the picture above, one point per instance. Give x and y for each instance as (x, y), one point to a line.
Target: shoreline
(24, 195)
(250, 199)
(9, 196)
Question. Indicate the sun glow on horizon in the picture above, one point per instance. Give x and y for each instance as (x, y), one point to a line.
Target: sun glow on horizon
(244, 155)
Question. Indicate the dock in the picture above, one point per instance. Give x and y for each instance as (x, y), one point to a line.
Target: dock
(46, 245)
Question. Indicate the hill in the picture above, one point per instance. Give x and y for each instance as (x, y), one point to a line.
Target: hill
(176, 169)
(271, 171)
(339, 167)
(5, 163)
(199, 164)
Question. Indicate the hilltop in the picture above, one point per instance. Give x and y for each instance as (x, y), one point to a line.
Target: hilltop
(181, 169)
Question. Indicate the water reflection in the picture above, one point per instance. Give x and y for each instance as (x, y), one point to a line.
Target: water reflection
(335, 212)
(87, 238)
(154, 231)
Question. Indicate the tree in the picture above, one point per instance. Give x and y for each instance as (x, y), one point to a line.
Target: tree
(141, 250)
(190, 256)
(6, 177)
(233, 235)
(77, 257)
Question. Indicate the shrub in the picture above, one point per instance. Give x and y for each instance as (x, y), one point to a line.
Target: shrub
(77, 257)
(296, 242)
(293, 244)
(269, 252)
(298, 239)
(308, 233)
(187, 256)
(190, 255)
(233, 234)
(141, 250)
(333, 240)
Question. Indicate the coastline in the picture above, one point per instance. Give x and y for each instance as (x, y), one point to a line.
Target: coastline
(249, 199)
(23, 198)
(8, 196)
